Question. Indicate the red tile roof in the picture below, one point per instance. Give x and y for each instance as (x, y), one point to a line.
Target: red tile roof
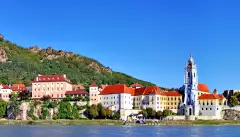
(157, 91)
(211, 96)
(153, 90)
(203, 88)
(6, 87)
(173, 93)
(78, 92)
(136, 85)
(117, 89)
(51, 78)
(94, 84)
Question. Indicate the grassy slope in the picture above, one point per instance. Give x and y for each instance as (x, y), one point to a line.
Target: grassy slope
(25, 65)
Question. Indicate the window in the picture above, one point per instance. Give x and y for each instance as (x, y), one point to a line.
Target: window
(210, 108)
(206, 109)
(202, 108)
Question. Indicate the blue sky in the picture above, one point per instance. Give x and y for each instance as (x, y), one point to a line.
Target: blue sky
(147, 39)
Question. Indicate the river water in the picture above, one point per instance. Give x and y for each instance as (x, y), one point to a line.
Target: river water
(119, 131)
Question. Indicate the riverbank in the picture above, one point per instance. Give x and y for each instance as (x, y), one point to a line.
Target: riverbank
(118, 122)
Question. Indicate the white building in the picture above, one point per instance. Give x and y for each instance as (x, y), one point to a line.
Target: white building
(5, 92)
(94, 91)
(116, 97)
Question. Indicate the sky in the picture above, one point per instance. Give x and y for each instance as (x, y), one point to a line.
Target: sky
(147, 39)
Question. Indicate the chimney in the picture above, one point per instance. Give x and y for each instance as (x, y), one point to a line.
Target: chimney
(215, 91)
(64, 75)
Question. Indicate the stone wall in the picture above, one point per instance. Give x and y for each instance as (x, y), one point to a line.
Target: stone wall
(231, 114)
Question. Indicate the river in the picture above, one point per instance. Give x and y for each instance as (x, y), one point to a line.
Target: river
(118, 131)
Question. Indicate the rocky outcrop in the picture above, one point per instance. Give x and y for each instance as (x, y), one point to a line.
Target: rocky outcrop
(3, 55)
(34, 49)
(230, 114)
(51, 54)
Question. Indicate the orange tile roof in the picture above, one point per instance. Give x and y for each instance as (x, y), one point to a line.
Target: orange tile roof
(211, 96)
(18, 85)
(117, 89)
(203, 88)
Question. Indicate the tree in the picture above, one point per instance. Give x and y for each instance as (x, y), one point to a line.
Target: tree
(233, 101)
(116, 115)
(68, 98)
(103, 113)
(144, 113)
(92, 113)
(76, 108)
(99, 107)
(159, 114)
(65, 110)
(52, 104)
(151, 113)
(108, 113)
(167, 112)
(3, 108)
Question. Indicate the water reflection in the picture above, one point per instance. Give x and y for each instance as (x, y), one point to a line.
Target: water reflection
(118, 131)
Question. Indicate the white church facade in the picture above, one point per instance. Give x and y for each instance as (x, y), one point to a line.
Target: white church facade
(198, 102)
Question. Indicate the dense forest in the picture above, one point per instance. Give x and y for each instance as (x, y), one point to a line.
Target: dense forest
(24, 64)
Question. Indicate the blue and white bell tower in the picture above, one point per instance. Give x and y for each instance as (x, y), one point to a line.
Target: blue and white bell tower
(191, 107)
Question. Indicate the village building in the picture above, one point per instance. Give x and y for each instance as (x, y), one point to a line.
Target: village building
(18, 88)
(54, 86)
(116, 97)
(94, 91)
(211, 105)
(5, 92)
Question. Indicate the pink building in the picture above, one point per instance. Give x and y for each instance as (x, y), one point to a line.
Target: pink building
(54, 86)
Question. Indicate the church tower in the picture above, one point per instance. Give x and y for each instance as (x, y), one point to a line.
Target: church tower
(191, 90)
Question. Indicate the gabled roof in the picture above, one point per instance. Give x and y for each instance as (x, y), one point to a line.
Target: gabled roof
(94, 84)
(203, 88)
(117, 89)
(210, 96)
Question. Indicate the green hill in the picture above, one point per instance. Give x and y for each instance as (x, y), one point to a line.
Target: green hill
(24, 64)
